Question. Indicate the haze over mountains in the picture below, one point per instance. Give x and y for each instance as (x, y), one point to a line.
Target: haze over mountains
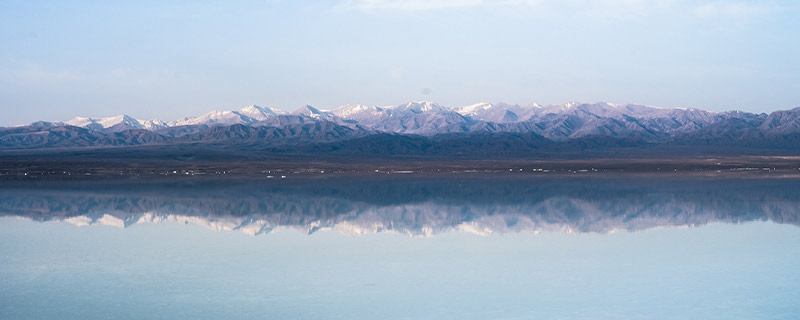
(428, 128)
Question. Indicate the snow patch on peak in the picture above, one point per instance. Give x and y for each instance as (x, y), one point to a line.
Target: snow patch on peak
(153, 124)
(314, 113)
(259, 113)
(215, 117)
(472, 110)
(570, 105)
(351, 110)
(421, 106)
(79, 121)
(107, 122)
(535, 105)
(499, 112)
(308, 110)
(251, 109)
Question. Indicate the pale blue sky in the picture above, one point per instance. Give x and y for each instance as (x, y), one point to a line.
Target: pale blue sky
(152, 59)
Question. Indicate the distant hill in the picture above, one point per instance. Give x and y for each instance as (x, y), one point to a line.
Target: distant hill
(426, 128)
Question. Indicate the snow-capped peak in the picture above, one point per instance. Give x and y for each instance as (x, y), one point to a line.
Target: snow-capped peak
(107, 122)
(80, 121)
(247, 115)
(350, 110)
(314, 113)
(499, 112)
(571, 119)
(215, 117)
(308, 110)
(421, 106)
(474, 109)
(260, 113)
(566, 106)
(251, 109)
(535, 105)
(153, 124)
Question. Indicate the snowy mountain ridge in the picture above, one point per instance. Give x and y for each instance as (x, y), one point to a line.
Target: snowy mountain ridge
(407, 126)
(420, 117)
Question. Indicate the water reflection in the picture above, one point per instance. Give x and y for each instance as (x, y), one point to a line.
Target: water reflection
(411, 205)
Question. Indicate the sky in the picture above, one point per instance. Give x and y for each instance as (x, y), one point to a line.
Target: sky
(171, 59)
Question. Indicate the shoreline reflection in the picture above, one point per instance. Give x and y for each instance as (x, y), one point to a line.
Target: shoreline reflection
(413, 206)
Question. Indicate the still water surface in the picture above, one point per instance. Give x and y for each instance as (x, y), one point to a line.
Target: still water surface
(401, 248)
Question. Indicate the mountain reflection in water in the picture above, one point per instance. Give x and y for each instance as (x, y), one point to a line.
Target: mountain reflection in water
(411, 205)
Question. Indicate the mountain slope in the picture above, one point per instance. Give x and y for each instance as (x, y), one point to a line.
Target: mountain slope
(427, 128)
(426, 118)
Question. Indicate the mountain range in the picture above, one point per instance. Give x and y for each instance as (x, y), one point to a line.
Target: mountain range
(428, 128)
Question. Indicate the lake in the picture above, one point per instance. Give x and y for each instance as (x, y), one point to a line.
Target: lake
(448, 246)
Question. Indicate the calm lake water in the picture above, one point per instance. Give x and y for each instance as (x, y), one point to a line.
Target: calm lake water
(418, 247)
